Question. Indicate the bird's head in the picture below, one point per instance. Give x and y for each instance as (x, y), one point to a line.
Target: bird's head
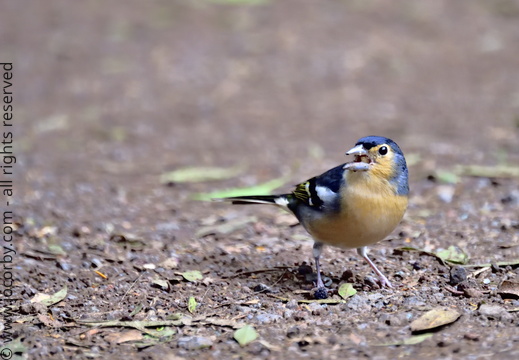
(380, 157)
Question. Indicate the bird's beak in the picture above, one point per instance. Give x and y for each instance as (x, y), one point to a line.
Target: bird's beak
(361, 160)
(357, 150)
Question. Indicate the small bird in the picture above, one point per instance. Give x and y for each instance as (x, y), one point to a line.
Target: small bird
(353, 205)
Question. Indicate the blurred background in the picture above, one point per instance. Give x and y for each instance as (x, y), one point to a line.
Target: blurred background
(111, 94)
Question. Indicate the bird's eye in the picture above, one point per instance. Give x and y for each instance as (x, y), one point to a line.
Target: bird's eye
(382, 150)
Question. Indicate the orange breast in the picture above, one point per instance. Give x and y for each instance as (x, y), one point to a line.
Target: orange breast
(370, 212)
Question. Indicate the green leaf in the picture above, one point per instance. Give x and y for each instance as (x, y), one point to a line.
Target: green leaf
(346, 290)
(453, 255)
(447, 176)
(200, 174)
(245, 335)
(192, 276)
(56, 249)
(261, 189)
(191, 305)
(49, 300)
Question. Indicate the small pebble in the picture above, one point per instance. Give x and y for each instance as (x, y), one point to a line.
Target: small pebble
(287, 314)
(300, 315)
(358, 303)
(97, 262)
(317, 309)
(257, 348)
(348, 276)
(267, 318)
(391, 319)
(413, 301)
(63, 265)
(293, 331)
(495, 312)
(33, 308)
(292, 304)
(457, 274)
(373, 297)
(472, 293)
(304, 269)
(194, 342)
(262, 288)
(471, 336)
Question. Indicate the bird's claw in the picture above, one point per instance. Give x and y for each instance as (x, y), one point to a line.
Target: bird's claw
(384, 282)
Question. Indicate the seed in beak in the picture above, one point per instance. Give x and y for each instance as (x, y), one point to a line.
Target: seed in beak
(361, 158)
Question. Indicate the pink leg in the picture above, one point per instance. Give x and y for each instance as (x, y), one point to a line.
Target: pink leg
(384, 282)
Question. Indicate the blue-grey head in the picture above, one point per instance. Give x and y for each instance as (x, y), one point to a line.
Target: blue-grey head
(383, 157)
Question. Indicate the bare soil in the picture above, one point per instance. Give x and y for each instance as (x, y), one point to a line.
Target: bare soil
(110, 95)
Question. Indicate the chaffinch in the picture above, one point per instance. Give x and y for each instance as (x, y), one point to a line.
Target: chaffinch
(353, 205)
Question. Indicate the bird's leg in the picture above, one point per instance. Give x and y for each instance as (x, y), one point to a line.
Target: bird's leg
(317, 250)
(363, 251)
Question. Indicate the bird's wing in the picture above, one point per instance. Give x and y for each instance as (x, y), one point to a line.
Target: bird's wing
(321, 191)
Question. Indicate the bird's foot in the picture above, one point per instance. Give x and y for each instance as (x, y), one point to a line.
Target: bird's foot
(384, 282)
(377, 282)
(321, 293)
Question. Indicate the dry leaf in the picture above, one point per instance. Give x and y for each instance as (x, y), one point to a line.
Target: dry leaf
(509, 289)
(125, 336)
(161, 283)
(434, 318)
(48, 321)
(49, 300)
(169, 263)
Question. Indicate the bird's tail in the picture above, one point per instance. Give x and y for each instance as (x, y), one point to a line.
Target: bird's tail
(280, 200)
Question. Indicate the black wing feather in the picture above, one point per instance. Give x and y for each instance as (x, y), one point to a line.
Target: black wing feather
(331, 179)
(306, 191)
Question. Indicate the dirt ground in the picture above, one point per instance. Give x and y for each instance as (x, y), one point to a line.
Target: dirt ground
(110, 95)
